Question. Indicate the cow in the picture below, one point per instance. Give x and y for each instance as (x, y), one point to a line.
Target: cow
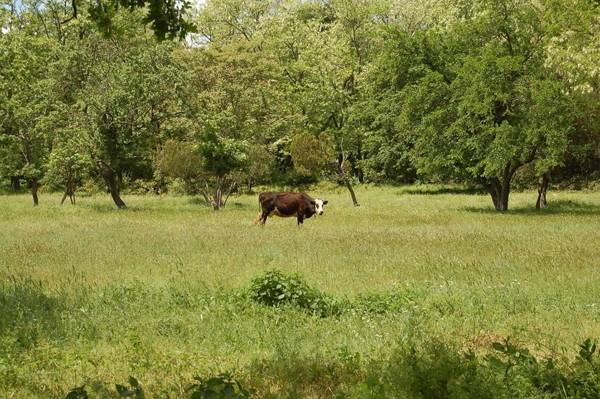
(300, 205)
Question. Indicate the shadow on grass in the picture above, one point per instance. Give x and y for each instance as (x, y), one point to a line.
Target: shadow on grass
(295, 376)
(28, 314)
(432, 367)
(101, 208)
(557, 207)
(231, 204)
(196, 202)
(440, 190)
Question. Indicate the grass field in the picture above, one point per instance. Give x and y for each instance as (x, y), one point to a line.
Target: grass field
(92, 295)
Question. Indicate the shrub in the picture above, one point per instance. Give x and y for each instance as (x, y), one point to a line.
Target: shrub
(77, 393)
(275, 288)
(135, 390)
(418, 368)
(177, 187)
(92, 187)
(221, 386)
(141, 187)
(436, 369)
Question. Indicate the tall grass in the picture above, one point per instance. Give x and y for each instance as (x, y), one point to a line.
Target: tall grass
(92, 294)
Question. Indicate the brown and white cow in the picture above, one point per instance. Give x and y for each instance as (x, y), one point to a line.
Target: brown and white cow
(300, 205)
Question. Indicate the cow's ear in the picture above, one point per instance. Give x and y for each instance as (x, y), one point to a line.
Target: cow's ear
(325, 202)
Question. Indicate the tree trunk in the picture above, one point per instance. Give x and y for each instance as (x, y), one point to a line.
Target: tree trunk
(113, 187)
(218, 196)
(543, 188)
(34, 190)
(72, 187)
(352, 194)
(344, 177)
(62, 201)
(15, 183)
(68, 192)
(217, 199)
(499, 191)
(229, 191)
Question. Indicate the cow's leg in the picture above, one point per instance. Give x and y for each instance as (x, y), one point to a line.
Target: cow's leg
(258, 219)
(265, 214)
(264, 217)
(300, 219)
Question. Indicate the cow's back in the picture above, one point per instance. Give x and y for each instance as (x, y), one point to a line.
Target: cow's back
(285, 202)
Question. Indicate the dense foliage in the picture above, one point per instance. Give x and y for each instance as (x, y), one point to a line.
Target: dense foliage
(432, 368)
(285, 92)
(275, 288)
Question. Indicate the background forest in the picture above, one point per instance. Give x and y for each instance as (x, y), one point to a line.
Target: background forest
(211, 99)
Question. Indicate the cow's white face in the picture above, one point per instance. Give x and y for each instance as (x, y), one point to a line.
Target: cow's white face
(319, 204)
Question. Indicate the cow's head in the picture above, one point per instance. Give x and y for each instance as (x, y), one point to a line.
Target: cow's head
(320, 205)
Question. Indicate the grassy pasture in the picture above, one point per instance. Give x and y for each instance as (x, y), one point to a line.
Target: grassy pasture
(92, 294)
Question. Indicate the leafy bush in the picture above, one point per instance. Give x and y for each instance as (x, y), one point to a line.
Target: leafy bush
(223, 386)
(140, 186)
(419, 369)
(436, 369)
(177, 187)
(275, 288)
(92, 187)
(395, 301)
(77, 393)
(133, 391)
(548, 378)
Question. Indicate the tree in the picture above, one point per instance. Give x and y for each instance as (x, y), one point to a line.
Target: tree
(387, 130)
(316, 155)
(310, 154)
(485, 116)
(128, 92)
(573, 45)
(221, 157)
(168, 18)
(26, 100)
(229, 100)
(207, 168)
(260, 166)
(68, 165)
(180, 160)
(322, 48)
(230, 21)
(572, 52)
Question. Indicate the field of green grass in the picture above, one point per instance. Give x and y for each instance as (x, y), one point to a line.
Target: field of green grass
(90, 294)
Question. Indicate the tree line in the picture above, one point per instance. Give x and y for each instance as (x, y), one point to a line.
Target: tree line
(233, 93)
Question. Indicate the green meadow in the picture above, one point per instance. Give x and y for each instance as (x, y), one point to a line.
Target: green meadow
(92, 295)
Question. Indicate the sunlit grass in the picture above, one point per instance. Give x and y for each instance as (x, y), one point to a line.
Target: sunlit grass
(89, 292)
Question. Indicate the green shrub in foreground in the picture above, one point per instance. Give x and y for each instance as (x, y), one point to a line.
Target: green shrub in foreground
(275, 288)
(222, 386)
(431, 368)
(436, 369)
